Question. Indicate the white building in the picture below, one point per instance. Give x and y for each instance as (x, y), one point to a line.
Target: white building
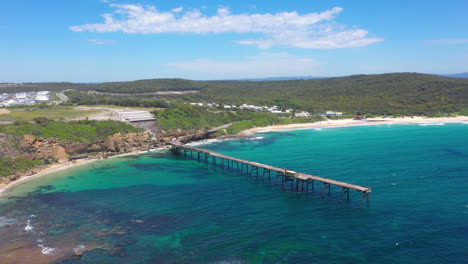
(333, 113)
(41, 98)
(303, 114)
(21, 96)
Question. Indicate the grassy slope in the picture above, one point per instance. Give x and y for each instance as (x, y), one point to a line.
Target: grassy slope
(184, 116)
(28, 113)
(75, 131)
(9, 165)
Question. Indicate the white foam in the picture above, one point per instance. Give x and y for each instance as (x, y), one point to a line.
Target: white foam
(50, 251)
(206, 142)
(432, 124)
(79, 248)
(29, 227)
(318, 129)
(256, 138)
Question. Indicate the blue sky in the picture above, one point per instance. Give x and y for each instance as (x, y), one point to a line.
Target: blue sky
(107, 40)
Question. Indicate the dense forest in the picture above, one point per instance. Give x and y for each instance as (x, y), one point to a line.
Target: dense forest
(396, 93)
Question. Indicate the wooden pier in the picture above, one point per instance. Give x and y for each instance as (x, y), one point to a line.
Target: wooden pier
(298, 181)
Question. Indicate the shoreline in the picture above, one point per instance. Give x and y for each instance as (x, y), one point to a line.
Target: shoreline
(352, 122)
(275, 128)
(63, 166)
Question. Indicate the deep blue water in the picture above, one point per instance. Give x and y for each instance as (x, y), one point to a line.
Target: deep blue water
(162, 208)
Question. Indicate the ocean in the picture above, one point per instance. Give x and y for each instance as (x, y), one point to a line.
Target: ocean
(162, 208)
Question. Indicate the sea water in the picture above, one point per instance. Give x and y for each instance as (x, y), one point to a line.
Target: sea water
(163, 208)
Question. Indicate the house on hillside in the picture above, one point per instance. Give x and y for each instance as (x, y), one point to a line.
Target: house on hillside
(303, 114)
(332, 113)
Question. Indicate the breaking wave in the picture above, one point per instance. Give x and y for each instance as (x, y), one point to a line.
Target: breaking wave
(432, 124)
(256, 138)
(206, 142)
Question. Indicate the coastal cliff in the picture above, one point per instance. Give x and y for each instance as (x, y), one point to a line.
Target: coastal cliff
(41, 152)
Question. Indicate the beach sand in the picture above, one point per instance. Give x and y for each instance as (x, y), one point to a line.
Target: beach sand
(352, 122)
(60, 167)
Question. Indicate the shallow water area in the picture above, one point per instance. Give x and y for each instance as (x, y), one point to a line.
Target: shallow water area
(162, 208)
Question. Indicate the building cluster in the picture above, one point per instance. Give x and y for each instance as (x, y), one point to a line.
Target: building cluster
(272, 109)
(29, 98)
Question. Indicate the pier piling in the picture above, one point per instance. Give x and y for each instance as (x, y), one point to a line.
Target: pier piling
(297, 179)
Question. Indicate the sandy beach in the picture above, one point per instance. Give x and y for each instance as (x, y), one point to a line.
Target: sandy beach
(60, 167)
(365, 122)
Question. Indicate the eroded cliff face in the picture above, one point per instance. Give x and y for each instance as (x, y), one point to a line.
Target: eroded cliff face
(44, 148)
(51, 148)
(119, 143)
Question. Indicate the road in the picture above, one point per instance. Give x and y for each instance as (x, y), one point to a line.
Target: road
(62, 97)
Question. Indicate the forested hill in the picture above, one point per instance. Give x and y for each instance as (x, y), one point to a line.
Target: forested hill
(393, 91)
(396, 91)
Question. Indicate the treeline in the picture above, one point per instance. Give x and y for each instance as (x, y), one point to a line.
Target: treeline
(395, 93)
(84, 98)
(132, 87)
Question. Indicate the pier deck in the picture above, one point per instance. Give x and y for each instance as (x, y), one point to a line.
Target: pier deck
(287, 175)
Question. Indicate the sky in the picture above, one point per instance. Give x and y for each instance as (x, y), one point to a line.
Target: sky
(124, 40)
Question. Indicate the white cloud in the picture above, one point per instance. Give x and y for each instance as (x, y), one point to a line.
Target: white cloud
(177, 10)
(262, 65)
(102, 41)
(291, 29)
(448, 41)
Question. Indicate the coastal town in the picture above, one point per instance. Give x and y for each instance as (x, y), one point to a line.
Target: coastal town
(26, 98)
(273, 109)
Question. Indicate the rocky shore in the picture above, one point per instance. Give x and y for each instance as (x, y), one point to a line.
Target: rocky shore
(54, 152)
(59, 154)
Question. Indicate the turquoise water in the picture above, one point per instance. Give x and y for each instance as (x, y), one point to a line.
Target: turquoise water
(162, 208)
